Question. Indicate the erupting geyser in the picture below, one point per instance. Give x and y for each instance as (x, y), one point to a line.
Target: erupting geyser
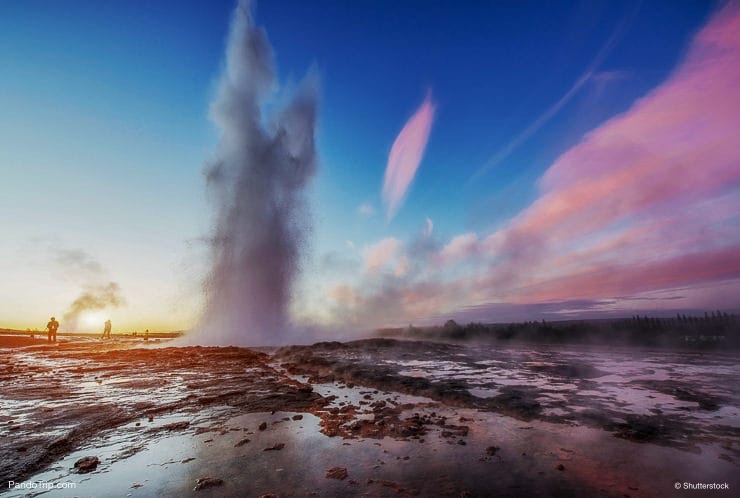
(257, 181)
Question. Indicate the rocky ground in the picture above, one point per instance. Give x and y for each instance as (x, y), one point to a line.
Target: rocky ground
(368, 418)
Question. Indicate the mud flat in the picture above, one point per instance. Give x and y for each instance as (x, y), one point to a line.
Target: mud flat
(375, 418)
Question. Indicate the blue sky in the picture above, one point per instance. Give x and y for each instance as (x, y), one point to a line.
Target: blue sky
(105, 131)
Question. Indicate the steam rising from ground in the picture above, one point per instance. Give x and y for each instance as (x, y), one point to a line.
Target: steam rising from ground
(256, 181)
(94, 298)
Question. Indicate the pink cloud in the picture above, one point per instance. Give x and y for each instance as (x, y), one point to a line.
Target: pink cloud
(461, 246)
(612, 279)
(343, 294)
(381, 254)
(405, 156)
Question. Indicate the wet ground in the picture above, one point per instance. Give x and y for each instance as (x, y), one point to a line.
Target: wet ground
(668, 398)
(373, 418)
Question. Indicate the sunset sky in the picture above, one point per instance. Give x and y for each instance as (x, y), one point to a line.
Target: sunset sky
(489, 161)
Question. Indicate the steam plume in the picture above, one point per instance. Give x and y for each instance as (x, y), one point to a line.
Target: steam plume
(93, 299)
(257, 182)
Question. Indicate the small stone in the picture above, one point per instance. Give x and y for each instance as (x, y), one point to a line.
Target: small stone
(339, 473)
(298, 417)
(87, 464)
(207, 482)
(276, 447)
(560, 467)
(263, 426)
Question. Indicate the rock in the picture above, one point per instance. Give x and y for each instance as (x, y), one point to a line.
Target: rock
(492, 450)
(269, 495)
(298, 417)
(87, 464)
(337, 473)
(241, 443)
(276, 447)
(560, 467)
(263, 426)
(207, 482)
(175, 426)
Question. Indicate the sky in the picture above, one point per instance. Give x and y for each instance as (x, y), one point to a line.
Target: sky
(487, 161)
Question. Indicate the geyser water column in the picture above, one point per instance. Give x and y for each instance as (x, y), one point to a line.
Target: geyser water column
(257, 182)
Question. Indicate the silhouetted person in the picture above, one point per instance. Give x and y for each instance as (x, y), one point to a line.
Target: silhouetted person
(52, 327)
(107, 329)
(146, 335)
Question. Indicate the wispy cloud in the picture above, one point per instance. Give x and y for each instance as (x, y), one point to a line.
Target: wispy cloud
(405, 156)
(428, 228)
(78, 262)
(588, 74)
(366, 210)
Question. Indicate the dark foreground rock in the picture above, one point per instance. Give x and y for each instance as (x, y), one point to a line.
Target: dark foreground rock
(87, 464)
(207, 482)
(337, 473)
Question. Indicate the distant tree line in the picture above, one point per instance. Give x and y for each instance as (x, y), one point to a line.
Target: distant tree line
(714, 329)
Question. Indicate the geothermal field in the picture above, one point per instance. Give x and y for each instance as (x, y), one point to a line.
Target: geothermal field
(373, 417)
(444, 249)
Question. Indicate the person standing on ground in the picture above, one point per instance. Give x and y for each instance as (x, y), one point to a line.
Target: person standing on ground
(52, 327)
(107, 329)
